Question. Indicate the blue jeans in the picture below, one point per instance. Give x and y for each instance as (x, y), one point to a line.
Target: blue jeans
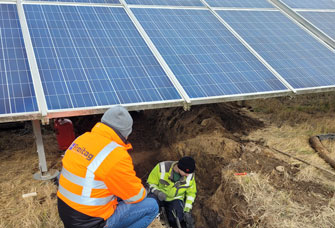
(137, 215)
(176, 205)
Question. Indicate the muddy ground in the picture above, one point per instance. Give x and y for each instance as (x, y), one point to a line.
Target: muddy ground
(225, 139)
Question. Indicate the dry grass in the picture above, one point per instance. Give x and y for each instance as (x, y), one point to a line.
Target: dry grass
(297, 109)
(290, 124)
(156, 224)
(330, 145)
(304, 118)
(291, 139)
(16, 179)
(294, 141)
(273, 208)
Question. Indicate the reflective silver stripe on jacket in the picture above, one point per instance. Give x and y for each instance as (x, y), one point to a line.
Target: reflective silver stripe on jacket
(152, 187)
(178, 197)
(188, 205)
(162, 166)
(137, 197)
(83, 200)
(188, 179)
(81, 181)
(190, 198)
(91, 168)
(88, 183)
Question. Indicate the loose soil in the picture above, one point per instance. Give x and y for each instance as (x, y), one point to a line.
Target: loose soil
(225, 139)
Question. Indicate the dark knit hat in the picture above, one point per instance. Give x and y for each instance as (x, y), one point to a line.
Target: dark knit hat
(186, 164)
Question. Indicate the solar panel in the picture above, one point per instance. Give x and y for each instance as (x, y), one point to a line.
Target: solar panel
(16, 89)
(310, 4)
(94, 56)
(83, 1)
(240, 3)
(166, 2)
(298, 57)
(204, 56)
(325, 21)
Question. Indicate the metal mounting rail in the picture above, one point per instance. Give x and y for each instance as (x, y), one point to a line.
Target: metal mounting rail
(158, 56)
(35, 75)
(296, 16)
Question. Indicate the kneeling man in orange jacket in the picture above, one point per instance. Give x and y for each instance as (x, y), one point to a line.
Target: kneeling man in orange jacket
(98, 186)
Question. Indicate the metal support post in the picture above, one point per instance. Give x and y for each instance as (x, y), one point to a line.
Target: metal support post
(44, 174)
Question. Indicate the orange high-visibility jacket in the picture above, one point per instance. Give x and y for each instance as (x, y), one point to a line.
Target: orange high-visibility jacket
(96, 169)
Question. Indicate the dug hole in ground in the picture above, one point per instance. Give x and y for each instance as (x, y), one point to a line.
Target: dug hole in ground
(225, 139)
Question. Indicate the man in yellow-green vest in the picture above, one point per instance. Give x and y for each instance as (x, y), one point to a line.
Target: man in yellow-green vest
(172, 184)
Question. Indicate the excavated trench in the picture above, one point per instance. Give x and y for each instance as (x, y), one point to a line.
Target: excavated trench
(211, 135)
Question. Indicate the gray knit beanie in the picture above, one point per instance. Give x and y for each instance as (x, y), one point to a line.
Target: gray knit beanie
(119, 119)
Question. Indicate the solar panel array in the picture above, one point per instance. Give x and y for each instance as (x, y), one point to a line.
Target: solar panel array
(83, 1)
(205, 57)
(166, 2)
(94, 56)
(325, 21)
(16, 89)
(298, 57)
(319, 14)
(310, 4)
(156, 53)
(240, 3)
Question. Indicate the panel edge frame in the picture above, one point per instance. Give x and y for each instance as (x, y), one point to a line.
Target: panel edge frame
(35, 75)
(158, 56)
(101, 109)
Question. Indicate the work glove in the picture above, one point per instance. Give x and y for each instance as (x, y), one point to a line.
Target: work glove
(189, 220)
(160, 195)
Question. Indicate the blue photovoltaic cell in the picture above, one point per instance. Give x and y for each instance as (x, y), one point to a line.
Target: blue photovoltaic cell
(166, 2)
(325, 21)
(292, 52)
(84, 1)
(240, 3)
(16, 89)
(204, 56)
(93, 56)
(310, 4)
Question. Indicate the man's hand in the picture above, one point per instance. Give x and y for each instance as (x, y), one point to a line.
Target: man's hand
(160, 195)
(188, 219)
